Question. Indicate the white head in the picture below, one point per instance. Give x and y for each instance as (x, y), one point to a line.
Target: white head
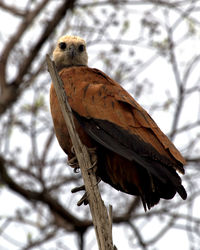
(70, 51)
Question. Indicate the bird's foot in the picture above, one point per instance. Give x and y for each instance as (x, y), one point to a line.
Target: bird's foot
(73, 162)
(84, 199)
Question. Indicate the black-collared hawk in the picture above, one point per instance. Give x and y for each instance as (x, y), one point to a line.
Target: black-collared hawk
(133, 155)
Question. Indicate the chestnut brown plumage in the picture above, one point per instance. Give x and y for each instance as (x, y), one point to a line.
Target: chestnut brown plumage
(134, 156)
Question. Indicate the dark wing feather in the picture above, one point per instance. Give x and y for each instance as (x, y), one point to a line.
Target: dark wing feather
(131, 148)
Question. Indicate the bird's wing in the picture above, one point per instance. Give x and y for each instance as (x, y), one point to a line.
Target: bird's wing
(115, 120)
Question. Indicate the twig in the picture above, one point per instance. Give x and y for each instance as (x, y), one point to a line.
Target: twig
(45, 198)
(16, 37)
(14, 10)
(97, 207)
(11, 92)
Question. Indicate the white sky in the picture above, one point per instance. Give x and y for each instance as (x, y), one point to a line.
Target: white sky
(161, 75)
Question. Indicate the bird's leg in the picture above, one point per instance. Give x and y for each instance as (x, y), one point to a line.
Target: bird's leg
(93, 158)
(74, 163)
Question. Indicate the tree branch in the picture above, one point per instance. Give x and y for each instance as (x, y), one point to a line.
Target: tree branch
(10, 92)
(56, 208)
(13, 10)
(97, 207)
(15, 38)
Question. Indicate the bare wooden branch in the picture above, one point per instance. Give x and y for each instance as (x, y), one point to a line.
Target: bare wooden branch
(50, 27)
(97, 207)
(56, 208)
(15, 38)
(12, 9)
(10, 92)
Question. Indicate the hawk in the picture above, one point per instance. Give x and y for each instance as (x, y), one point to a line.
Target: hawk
(133, 154)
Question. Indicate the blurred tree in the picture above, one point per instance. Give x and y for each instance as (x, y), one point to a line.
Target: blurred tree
(152, 48)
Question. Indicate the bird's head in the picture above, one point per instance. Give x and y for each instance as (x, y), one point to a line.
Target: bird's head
(70, 51)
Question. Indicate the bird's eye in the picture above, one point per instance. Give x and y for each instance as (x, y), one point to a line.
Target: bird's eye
(81, 48)
(62, 45)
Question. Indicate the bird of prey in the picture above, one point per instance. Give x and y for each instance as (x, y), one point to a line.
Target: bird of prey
(133, 154)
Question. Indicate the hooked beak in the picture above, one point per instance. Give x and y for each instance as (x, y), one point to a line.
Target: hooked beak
(72, 51)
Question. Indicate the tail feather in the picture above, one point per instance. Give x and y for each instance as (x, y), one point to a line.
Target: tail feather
(181, 191)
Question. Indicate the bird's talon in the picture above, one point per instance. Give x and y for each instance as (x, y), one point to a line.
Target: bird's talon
(92, 150)
(94, 164)
(76, 170)
(83, 200)
(98, 180)
(73, 163)
(77, 189)
(72, 150)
